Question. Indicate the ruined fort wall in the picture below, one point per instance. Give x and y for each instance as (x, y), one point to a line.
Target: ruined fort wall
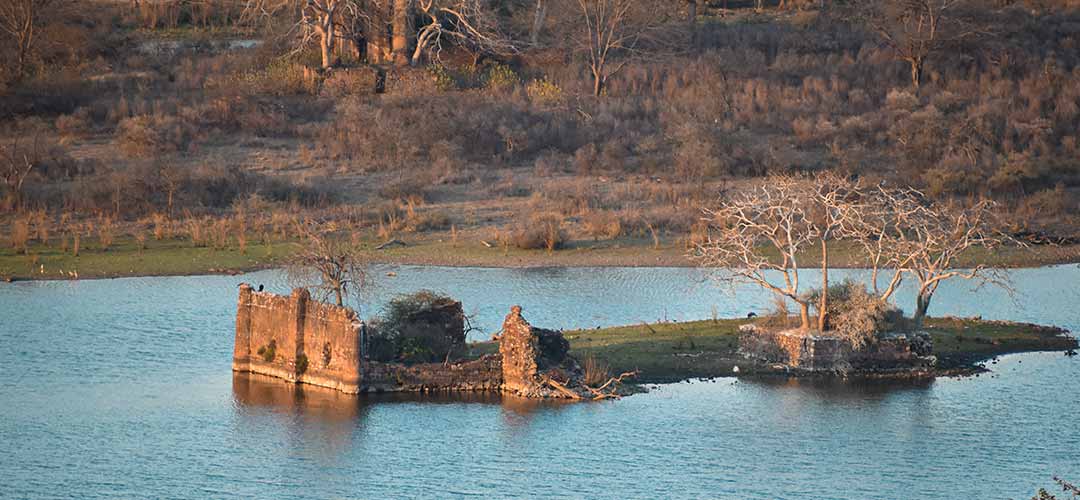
(287, 337)
(331, 345)
(482, 375)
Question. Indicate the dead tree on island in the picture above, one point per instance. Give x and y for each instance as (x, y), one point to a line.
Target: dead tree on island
(905, 233)
(327, 266)
(768, 229)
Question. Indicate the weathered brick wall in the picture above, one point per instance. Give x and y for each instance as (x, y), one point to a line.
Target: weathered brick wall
(482, 375)
(520, 351)
(320, 344)
(826, 353)
(298, 328)
(331, 343)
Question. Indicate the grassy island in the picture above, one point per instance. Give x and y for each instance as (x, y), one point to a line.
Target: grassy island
(672, 352)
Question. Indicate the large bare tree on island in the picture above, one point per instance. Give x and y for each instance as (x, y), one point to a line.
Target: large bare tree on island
(767, 229)
(906, 233)
(759, 236)
(326, 265)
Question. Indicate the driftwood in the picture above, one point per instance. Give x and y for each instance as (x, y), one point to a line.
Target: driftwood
(392, 243)
(559, 387)
(486, 244)
(605, 391)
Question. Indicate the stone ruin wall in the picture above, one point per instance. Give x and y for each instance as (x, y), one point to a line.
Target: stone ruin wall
(328, 337)
(823, 353)
(519, 347)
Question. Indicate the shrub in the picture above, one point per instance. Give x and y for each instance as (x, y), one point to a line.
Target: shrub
(541, 231)
(150, 135)
(422, 327)
(20, 235)
(268, 352)
(603, 225)
(596, 372)
(857, 315)
(500, 77)
(350, 81)
(544, 91)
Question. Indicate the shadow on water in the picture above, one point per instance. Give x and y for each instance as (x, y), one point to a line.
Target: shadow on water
(841, 389)
(305, 404)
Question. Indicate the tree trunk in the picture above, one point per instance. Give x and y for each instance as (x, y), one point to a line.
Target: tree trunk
(804, 315)
(691, 19)
(325, 48)
(402, 32)
(598, 83)
(922, 304)
(916, 72)
(538, 22)
(337, 294)
(823, 307)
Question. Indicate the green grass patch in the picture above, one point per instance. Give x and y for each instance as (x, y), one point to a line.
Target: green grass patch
(123, 258)
(671, 352)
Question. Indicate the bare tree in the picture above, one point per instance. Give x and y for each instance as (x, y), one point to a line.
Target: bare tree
(879, 222)
(611, 33)
(916, 29)
(320, 17)
(20, 21)
(906, 233)
(938, 241)
(16, 164)
(471, 23)
(539, 18)
(326, 265)
(745, 229)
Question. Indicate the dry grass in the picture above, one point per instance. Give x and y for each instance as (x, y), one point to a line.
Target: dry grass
(20, 235)
(596, 372)
(106, 233)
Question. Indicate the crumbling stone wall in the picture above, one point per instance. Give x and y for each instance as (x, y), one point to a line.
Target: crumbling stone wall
(305, 341)
(529, 354)
(481, 375)
(297, 339)
(824, 353)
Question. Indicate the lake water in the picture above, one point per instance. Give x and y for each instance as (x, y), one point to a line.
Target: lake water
(123, 389)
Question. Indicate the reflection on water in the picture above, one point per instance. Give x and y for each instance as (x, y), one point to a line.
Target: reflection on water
(123, 389)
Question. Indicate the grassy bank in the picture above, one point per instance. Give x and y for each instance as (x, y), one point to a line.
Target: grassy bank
(180, 257)
(677, 351)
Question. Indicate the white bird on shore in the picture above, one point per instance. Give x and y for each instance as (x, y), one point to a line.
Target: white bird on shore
(736, 369)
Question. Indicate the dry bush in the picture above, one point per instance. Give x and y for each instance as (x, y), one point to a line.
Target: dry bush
(140, 239)
(540, 231)
(149, 135)
(603, 225)
(20, 235)
(106, 232)
(858, 316)
(350, 81)
(779, 317)
(430, 220)
(196, 231)
(241, 234)
(162, 229)
(596, 372)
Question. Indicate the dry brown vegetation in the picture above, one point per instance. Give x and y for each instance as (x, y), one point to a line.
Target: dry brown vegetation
(165, 112)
